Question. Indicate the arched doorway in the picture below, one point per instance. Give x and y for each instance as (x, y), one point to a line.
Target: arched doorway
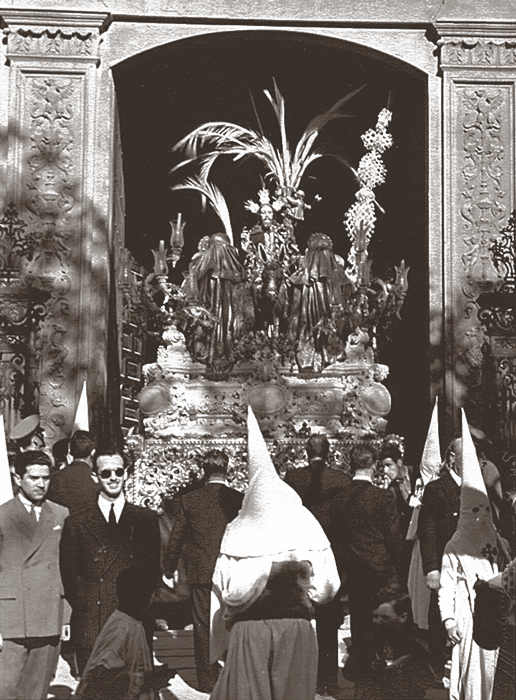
(165, 92)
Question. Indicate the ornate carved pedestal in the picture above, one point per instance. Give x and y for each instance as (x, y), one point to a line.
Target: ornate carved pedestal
(194, 413)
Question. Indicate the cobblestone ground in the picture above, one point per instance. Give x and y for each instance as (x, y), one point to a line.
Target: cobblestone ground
(64, 684)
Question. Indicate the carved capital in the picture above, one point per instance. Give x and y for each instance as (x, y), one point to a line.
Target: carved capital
(69, 35)
(477, 53)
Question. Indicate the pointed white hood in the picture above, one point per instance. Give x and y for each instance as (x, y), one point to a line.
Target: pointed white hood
(6, 485)
(431, 458)
(272, 519)
(474, 542)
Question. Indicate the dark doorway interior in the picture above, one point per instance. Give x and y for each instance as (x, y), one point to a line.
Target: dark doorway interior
(164, 93)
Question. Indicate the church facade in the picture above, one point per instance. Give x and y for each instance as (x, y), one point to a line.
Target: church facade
(76, 124)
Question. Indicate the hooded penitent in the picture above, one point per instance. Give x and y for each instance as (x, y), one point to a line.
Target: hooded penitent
(429, 470)
(474, 542)
(272, 526)
(471, 554)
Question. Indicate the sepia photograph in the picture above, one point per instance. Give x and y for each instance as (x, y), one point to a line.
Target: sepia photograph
(257, 350)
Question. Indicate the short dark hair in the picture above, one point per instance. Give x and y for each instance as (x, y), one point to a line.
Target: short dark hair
(391, 451)
(60, 450)
(82, 444)
(30, 457)
(397, 596)
(111, 453)
(361, 457)
(317, 446)
(214, 462)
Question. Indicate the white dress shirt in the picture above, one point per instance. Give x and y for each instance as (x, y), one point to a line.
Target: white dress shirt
(105, 505)
(28, 505)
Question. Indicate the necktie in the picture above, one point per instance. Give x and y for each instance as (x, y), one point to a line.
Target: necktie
(112, 516)
(33, 520)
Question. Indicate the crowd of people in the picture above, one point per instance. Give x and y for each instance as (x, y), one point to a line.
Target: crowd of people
(269, 574)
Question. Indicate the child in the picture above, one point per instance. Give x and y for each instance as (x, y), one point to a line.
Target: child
(120, 665)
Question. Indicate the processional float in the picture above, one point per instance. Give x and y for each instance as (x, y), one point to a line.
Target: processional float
(293, 333)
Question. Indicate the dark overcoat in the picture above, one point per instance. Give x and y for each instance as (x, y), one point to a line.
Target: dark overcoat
(317, 487)
(201, 518)
(73, 486)
(366, 521)
(93, 554)
(438, 520)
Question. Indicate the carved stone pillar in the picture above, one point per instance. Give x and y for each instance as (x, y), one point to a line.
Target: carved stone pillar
(53, 169)
(478, 64)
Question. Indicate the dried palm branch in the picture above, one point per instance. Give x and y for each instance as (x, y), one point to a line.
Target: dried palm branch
(214, 196)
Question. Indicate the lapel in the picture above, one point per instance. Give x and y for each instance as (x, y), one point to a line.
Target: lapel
(45, 524)
(125, 535)
(451, 491)
(21, 519)
(97, 525)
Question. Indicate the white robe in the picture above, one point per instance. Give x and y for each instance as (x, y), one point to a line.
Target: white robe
(473, 668)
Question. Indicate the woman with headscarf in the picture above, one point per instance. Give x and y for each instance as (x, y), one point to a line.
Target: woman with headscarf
(469, 555)
(275, 561)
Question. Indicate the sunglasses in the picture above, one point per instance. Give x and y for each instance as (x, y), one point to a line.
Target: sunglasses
(106, 473)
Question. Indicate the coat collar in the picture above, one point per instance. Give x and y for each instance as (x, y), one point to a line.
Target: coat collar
(34, 538)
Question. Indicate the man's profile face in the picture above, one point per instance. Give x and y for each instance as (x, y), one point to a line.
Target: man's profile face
(454, 459)
(112, 475)
(386, 617)
(35, 482)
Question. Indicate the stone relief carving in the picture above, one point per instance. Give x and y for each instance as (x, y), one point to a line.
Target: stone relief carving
(477, 52)
(483, 168)
(54, 121)
(52, 42)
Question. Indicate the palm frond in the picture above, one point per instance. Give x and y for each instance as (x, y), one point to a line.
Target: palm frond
(215, 135)
(278, 105)
(315, 126)
(213, 195)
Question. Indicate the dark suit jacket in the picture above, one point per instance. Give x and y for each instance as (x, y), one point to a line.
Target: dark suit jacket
(92, 556)
(366, 521)
(31, 592)
(202, 516)
(317, 490)
(73, 486)
(438, 520)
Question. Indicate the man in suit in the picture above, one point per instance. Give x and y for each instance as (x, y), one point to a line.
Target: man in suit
(438, 520)
(74, 486)
(97, 544)
(201, 518)
(317, 484)
(31, 592)
(366, 521)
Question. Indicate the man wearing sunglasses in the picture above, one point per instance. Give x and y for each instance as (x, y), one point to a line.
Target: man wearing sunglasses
(98, 543)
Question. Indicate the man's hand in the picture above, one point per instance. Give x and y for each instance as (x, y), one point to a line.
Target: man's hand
(453, 631)
(433, 579)
(65, 633)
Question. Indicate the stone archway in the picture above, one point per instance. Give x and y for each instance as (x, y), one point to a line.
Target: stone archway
(164, 92)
